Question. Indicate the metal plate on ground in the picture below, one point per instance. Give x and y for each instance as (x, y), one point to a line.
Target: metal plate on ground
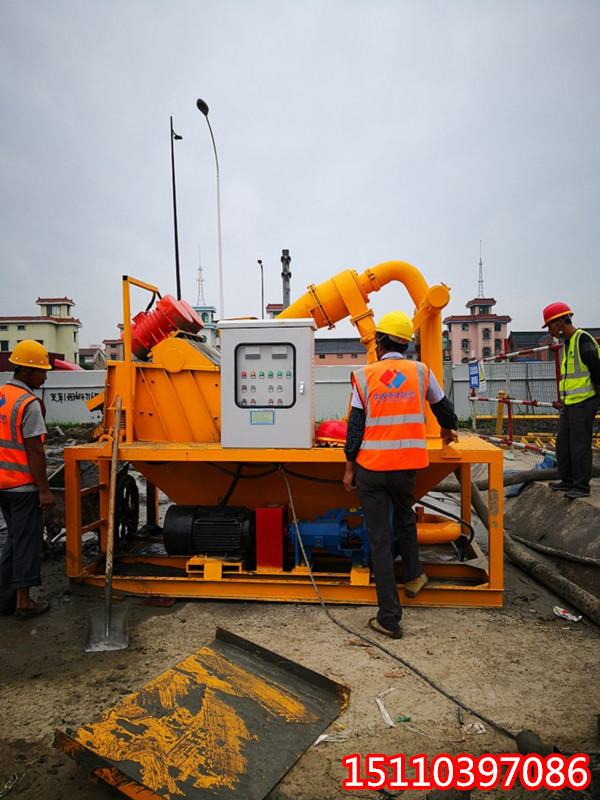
(228, 721)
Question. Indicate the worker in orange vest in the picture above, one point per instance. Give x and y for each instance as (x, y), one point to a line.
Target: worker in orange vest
(24, 489)
(385, 445)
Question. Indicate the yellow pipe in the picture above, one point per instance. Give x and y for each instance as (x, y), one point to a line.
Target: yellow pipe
(346, 294)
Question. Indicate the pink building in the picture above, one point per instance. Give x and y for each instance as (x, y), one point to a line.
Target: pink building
(478, 334)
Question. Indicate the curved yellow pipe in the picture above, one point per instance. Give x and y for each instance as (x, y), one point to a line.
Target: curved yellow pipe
(345, 295)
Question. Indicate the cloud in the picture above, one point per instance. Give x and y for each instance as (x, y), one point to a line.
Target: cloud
(348, 132)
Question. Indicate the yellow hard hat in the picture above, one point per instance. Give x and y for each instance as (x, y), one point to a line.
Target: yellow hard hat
(30, 354)
(397, 325)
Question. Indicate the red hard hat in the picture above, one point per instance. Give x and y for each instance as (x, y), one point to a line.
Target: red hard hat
(554, 311)
(331, 431)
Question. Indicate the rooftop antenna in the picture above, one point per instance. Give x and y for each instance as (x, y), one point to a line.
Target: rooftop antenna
(480, 286)
(200, 280)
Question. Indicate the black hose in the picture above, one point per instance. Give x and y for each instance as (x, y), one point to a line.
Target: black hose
(553, 580)
(238, 471)
(335, 481)
(553, 551)
(463, 555)
(263, 474)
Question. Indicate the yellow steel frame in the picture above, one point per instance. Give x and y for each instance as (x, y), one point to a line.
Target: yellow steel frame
(455, 584)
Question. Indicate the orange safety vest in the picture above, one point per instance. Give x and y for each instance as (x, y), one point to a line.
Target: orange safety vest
(393, 397)
(14, 464)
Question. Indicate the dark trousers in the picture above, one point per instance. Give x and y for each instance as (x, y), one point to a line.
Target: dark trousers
(377, 491)
(21, 559)
(574, 443)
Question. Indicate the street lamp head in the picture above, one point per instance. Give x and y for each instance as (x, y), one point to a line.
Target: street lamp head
(176, 136)
(202, 106)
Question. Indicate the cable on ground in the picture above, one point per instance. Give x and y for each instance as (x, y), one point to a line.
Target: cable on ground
(379, 646)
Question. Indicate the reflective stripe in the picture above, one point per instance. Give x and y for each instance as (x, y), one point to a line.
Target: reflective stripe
(361, 380)
(421, 374)
(8, 444)
(25, 397)
(579, 390)
(387, 444)
(13, 467)
(400, 419)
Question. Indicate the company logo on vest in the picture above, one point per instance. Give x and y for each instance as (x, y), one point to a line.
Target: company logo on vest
(392, 378)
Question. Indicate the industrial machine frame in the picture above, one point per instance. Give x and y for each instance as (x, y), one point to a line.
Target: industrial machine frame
(171, 435)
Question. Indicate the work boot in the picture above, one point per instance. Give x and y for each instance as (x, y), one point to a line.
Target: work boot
(375, 625)
(574, 493)
(559, 486)
(412, 588)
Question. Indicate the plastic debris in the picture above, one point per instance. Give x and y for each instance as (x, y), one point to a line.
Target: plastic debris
(564, 614)
(402, 719)
(328, 737)
(386, 717)
(10, 784)
(473, 728)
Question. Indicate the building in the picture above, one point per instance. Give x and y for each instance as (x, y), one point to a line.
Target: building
(339, 352)
(209, 331)
(274, 310)
(92, 357)
(55, 328)
(114, 349)
(350, 351)
(478, 334)
(523, 341)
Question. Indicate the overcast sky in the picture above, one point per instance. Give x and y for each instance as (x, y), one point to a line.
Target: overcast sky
(350, 132)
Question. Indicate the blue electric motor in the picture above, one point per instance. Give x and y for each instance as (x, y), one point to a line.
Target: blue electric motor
(332, 534)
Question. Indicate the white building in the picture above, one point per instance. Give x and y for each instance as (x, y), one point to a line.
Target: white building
(55, 328)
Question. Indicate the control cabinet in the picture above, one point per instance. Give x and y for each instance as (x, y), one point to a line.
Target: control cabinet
(267, 383)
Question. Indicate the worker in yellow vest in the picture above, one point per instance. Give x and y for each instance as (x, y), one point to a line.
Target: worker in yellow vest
(579, 392)
(385, 446)
(24, 489)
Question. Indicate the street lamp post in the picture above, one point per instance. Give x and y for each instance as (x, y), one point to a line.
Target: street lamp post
(175, 136)
(203, 108)
(262, 290)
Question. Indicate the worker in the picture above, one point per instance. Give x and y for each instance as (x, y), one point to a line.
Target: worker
(385, 446)
(579, 392)
(24, 489)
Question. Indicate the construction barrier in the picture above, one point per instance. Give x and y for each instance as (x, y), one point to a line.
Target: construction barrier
(524, 405)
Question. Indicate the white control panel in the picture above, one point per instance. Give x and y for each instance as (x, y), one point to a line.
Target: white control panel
(267, 383)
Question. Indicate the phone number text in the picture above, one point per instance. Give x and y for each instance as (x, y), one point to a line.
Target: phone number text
(466, 772)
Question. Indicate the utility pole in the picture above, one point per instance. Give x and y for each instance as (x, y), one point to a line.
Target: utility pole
(262, 290)
(286, 275)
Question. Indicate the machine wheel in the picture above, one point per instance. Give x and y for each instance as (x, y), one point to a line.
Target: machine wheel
(127, 508)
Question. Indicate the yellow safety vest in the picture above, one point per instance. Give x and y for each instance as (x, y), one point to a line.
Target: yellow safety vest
(575, 384)
(393, 392)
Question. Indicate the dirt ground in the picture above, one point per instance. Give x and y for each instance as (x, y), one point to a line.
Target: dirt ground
(520, 666)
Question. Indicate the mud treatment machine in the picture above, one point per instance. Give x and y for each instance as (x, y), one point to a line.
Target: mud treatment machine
(257, 505)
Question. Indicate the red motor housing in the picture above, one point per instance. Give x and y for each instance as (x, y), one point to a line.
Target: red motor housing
(150, 327)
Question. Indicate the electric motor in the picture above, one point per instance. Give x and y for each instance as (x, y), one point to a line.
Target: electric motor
(216, 531)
